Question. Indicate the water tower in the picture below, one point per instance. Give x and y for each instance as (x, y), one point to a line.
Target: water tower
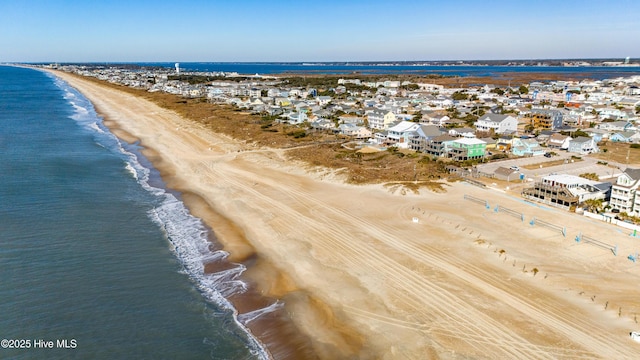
(177, 68)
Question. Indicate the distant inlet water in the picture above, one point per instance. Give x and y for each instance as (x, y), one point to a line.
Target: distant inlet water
(96, 256)
(593, 72)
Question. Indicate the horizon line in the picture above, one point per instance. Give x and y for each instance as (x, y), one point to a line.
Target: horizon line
(320, 61)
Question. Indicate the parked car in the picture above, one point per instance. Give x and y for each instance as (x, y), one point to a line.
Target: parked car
(514, 167)
(547, 155)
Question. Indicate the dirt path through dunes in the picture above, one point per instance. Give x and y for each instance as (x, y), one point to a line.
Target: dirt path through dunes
(458, 283)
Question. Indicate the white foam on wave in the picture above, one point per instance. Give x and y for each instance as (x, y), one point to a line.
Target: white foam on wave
(187, 234)
(81, 112)
(132, 171)
(246, 318)
(188, 237)
(96, 128)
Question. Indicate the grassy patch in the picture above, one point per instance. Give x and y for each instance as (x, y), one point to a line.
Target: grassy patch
(618, 152)
(546, 164)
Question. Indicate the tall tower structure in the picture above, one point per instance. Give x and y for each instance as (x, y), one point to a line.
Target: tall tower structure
(177, 68)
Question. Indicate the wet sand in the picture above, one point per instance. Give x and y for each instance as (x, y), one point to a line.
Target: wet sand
(358, 278)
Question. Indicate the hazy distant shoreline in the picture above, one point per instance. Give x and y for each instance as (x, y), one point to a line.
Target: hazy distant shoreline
(596, 70)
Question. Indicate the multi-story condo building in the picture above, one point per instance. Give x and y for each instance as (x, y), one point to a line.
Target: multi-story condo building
(380, 120)
(544, 119)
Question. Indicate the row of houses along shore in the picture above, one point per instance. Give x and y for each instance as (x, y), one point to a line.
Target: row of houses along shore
(481, 122)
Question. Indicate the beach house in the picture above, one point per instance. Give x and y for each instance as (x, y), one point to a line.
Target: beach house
(467, 148)
(439, 145)
(354, 131)
(463, 132)
(526, 147)
(544, 119)
(566, 191)
(583, 145)
(558, 141)
(616, 126)
(623, 192)
(498, 123)
(400, 134)
(422, 135)
(380, 120)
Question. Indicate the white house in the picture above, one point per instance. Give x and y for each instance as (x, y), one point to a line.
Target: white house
(323, 100)
(623, 192)
(499, 123)
(352, 130)
(380, 120)
(400, 134)
(462, 132)
(559, 141)
(583, 145)
(616, 126)
(296, 118)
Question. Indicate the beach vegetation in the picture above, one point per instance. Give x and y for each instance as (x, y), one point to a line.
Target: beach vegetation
(297, 133)
(523, 89)
(498, 156)
(424, 160)
(593, 205)
(459, 95)
(590, 176)
(316, 148)
(620, 152)
(410, 87)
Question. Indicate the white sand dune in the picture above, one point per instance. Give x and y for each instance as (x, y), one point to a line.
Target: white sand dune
(459, 283)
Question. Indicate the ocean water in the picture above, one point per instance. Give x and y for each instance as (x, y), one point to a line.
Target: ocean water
(97, 259)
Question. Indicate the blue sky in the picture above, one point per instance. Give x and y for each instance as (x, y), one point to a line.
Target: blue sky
(328, 30)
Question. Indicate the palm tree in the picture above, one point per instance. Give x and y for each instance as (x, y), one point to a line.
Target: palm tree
(593, 205)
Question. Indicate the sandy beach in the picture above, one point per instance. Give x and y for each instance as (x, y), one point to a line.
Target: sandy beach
(375, 272)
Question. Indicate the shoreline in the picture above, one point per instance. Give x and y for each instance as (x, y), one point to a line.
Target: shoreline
(355, 256)
(263, 279)
(226, 236)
